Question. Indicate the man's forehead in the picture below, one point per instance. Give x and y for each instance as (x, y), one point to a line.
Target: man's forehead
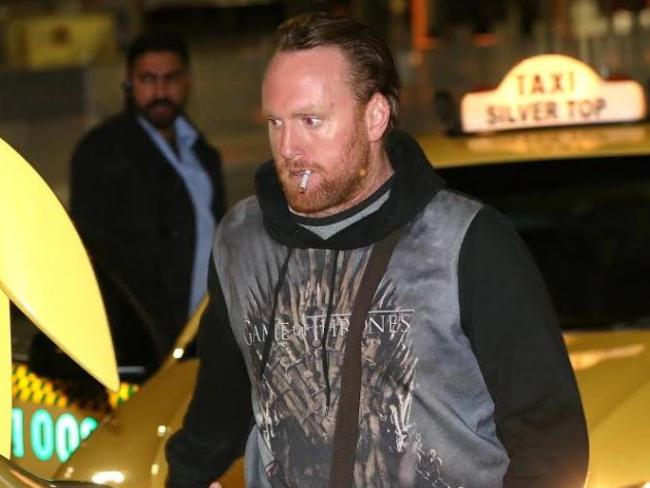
(314, 75)
(326, 59)
(159, 61)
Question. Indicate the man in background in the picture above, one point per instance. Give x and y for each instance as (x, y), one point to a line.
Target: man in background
(146, 195)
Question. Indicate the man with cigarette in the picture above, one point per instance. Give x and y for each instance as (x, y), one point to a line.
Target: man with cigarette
(462, 376)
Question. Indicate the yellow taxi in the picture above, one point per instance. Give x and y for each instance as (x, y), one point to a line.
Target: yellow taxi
(45, 272)
(566, 155)
(127, 450)
(53, 403)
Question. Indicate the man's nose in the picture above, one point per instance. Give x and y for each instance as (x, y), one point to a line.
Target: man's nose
(161, 88)
(288, 144)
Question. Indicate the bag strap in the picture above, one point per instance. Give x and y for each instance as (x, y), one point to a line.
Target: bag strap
(346, 430)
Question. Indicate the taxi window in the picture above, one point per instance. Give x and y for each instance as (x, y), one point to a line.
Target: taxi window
(587, 223)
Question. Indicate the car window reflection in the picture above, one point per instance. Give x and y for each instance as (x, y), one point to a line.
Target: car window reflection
(587, 223)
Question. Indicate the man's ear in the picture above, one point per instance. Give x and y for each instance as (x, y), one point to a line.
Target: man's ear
(377, 117)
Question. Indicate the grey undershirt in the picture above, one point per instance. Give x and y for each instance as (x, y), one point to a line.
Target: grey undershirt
(327, 231)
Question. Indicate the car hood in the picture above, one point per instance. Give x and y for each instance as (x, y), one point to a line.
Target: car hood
(612, 369)
(127, 450)
(123, 451)
(613, 373)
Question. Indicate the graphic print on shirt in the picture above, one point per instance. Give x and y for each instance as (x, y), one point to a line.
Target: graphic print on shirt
(295, 422)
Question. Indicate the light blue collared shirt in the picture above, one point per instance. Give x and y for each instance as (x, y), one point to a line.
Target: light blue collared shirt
(199, 186)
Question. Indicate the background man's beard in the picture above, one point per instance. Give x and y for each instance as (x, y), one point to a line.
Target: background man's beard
(158, 120)
(161, 120)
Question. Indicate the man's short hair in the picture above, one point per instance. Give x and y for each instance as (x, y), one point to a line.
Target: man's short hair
(371, 61)
(157, 41)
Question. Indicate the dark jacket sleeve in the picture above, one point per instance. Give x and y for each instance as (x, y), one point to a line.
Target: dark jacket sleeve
(101, 199)
(219, 416)
(112, 212)
(512, 325)
(101, 206)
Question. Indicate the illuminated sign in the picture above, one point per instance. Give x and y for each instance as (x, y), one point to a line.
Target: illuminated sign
(552, 90)
(50, 419)
(45, 436)
(29, 387)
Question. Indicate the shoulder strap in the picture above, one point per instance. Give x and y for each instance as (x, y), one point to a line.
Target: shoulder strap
(347, 416)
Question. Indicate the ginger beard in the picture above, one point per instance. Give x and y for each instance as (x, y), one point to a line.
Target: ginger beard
(331, 183)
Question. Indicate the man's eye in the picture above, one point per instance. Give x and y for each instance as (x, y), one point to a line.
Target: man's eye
(312, 121)
(175, 77)
(273, 122)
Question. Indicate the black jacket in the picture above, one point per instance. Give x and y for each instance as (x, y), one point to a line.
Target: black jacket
(504, 311)
(135, 216)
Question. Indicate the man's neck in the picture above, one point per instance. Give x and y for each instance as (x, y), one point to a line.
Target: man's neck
(169, 134)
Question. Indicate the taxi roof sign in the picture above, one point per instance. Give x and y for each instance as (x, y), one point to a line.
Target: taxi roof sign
(552, 90)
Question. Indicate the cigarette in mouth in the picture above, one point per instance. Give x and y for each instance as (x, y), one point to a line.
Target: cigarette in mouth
(304, 180)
